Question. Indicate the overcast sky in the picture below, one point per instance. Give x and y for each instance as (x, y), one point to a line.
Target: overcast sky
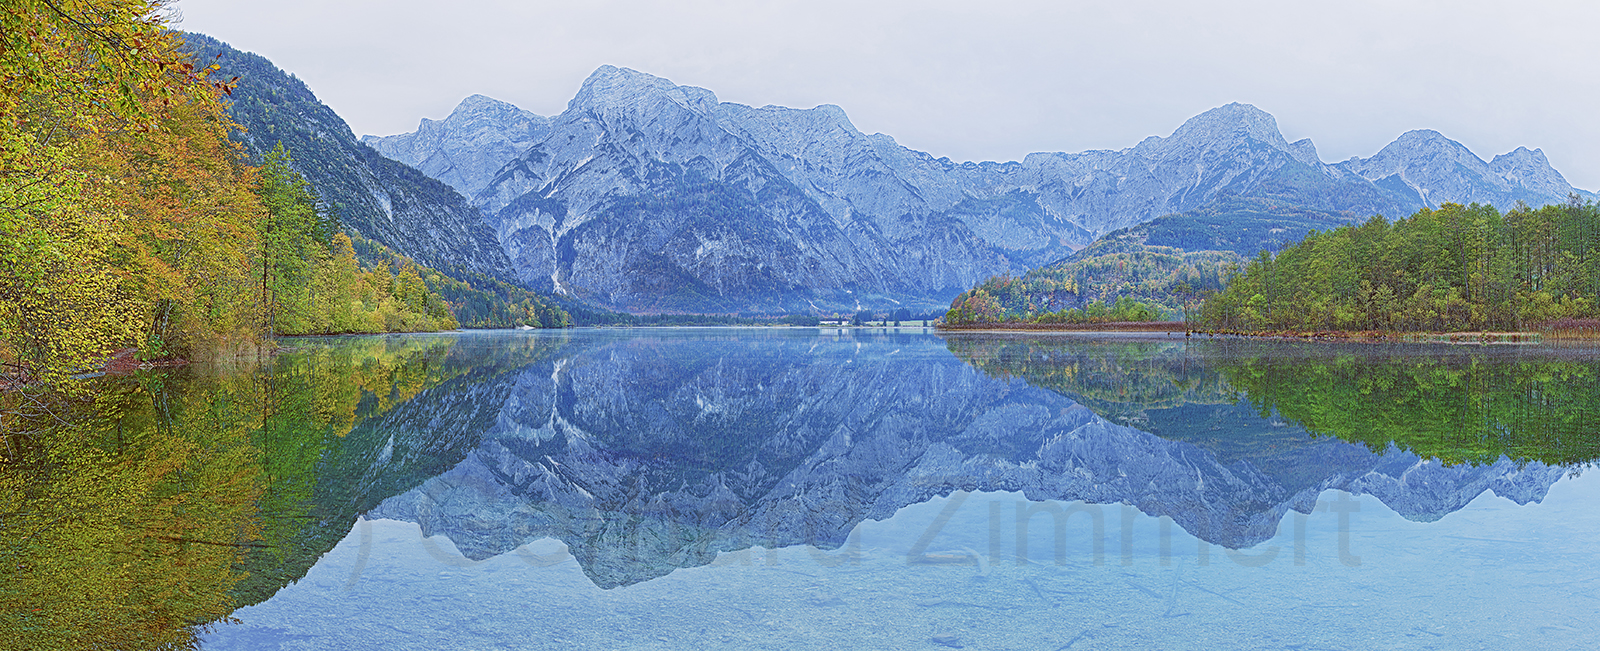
(990, 80)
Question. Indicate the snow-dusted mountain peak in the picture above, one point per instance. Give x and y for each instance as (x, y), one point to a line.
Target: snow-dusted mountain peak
(465, 149)
(1232, 122)
(610, 88)
(482, 105)
(1530, 170)
(1427, 141)
(1519, 158)
(647, 195)
(1439, 170)
(1306, 152)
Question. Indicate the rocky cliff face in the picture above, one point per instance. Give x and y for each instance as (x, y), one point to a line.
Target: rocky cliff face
(644, 198)
(1431, 170)
(373, 196)
(638, 189)
(647, 456)
(466, 149)
(649, 196)
(1233, 150)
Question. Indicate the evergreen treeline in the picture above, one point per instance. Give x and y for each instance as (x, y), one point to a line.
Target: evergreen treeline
(1451, 269)
(1478, 407)
(1115, 279)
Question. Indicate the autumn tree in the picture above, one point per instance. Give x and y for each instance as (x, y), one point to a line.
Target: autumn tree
(71, 70)
(184, 216)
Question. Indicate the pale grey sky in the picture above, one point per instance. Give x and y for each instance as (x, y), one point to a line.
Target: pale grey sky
(990, 80)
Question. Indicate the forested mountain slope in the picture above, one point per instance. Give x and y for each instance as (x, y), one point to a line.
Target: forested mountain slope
(1118, 278)
(373, 196)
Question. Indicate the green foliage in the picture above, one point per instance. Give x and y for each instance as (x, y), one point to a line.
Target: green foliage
(128, 219)
(311, 282)
(1451, 269)
(126, 519)
(75, 76)
(274, 110)
(272, 107)
(1120, 380)
(178, 495)
(328, 418)
(1458, 409)
(986, 304)
(477, 302)
(1232, 397)
(291, 234)
(1118, 278)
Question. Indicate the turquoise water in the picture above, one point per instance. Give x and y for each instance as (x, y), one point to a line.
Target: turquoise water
(801, 488)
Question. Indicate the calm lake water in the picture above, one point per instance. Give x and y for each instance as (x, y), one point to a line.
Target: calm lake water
(806, 488)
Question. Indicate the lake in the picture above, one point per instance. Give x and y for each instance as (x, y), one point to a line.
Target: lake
(821, 488)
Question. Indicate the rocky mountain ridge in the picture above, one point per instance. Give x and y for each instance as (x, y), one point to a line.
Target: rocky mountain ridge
(650, 196)
(1437, 170)
(466, 149)
(645, 456)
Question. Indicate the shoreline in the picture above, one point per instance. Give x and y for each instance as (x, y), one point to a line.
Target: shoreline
(1483, 338)
(1477, 338)
(1115, 326)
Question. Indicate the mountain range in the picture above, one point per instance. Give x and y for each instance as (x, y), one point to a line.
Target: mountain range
(647, 196)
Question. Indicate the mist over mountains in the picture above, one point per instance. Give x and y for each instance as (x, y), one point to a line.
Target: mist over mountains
(647, 196)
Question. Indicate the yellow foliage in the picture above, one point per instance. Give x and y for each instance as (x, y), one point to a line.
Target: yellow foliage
(77, 76)
(126, 529)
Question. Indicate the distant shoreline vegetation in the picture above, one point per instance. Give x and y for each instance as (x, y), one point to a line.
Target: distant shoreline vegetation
(1454, 269)
(1116, 279)
(979, 308)
(1459, 272)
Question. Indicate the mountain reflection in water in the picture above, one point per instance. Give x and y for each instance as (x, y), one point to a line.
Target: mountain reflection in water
(649, 453)
(646, 451)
